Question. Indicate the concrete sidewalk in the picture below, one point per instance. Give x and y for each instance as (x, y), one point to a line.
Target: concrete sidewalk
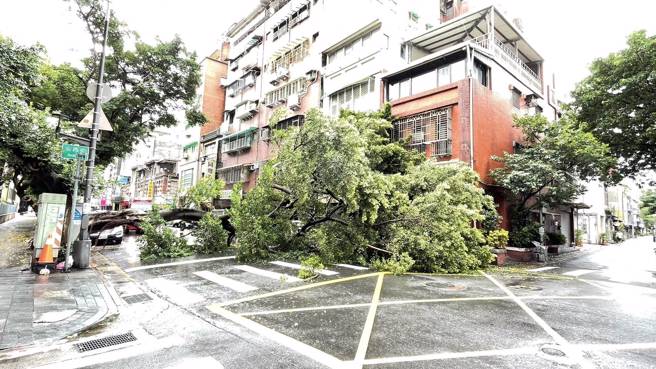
(38, 310)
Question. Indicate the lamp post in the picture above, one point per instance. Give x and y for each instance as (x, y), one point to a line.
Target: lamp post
(83, 246)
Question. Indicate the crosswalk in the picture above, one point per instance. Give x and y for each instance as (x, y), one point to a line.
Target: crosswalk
(184, 284)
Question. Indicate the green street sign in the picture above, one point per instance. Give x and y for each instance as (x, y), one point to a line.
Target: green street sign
(73, 152)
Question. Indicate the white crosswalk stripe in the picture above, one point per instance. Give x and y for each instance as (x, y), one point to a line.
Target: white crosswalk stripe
(176, 292)
(579, 272)
(267, 273)
(225, 282)
(354, 267)
(298, 266)
(543, 269)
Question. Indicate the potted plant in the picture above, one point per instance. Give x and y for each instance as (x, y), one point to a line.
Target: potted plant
(603, 239)
(498, 240)
(578, 237)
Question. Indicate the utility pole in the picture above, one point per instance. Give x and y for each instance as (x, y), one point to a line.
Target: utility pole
(84, 245)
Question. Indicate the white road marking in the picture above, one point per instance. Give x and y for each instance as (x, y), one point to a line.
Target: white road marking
(579, 272)
(298, 266)
(300, 347)
(177, 293)
(267, 273)
(451, 355)
(225, 282)
(354, 267)
(617, 346)
(206, 362)
(575, 354)
(543, 269)
(296, 310)
(153, 266)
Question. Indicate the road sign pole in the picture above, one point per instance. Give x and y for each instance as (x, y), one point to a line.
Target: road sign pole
(69, 238)
(85, 242)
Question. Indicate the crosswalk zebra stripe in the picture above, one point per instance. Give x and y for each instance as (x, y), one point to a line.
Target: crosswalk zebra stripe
(267, 273)
(174, 291)
(543, 269)
(354, 267)
(579, 272)
(225, 282)
(298, 266)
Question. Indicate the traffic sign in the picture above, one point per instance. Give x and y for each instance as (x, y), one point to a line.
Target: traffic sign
(103, 124)
(105, 92)
(73, 152)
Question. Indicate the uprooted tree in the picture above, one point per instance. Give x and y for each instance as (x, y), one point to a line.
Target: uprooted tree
(339, 188)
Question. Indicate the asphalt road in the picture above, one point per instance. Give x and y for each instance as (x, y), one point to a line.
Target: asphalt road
(596, 310)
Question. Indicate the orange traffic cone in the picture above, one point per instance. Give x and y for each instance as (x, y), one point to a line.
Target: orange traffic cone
(45, 256)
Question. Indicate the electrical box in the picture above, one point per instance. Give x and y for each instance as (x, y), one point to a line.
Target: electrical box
(49, 221)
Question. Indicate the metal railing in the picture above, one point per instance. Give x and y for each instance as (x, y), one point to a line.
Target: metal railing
(510, 58)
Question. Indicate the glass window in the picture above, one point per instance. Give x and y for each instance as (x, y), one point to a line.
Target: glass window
(458, 71)
(404, 89)
(424, 82)
(393, 91)
(516, 97)
(481, 73)
(444, 76)
(348, 48)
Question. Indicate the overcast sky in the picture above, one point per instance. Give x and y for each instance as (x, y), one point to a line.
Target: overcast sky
(569, 34)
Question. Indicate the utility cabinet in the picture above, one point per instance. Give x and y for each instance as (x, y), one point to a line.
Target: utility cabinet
(49, 221)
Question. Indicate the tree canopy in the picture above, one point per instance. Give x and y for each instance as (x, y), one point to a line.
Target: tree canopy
(339, 188)
(616, 103)
(648, 207)
(150, 82)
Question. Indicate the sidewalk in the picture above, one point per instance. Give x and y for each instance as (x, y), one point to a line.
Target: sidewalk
(37, 310)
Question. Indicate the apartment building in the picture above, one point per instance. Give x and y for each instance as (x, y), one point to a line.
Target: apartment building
(291, 55)
(156, 181)
(464, 80)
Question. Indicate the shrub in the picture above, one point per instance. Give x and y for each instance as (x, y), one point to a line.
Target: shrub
(498, 239)
(578, 237)
(396, 264)
(210, 235)
(159, 241)
(524, 236)
(555, 238)
(310, 267)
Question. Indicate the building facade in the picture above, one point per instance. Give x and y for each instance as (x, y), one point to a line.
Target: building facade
(463, 82)
(290, 55)
(156, 181)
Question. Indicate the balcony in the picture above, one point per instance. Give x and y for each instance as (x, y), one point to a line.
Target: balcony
(508, 57)
(240, 141)
(246, 110)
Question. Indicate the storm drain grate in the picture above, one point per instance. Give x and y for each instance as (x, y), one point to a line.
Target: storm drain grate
(137, 298)
(105, 342)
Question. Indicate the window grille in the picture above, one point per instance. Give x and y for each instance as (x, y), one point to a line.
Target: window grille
(294, 87)
(292, 56)
(231, 175)
(429, 132)
(295, 121)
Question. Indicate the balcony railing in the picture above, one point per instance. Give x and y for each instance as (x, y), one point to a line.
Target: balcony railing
(510, 58)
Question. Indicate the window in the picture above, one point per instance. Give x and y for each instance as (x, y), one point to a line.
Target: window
(516, 98)
(300, 15)
(295, 121)
(429, 132)
(187, 179)
(444, 76)
(404, 88)
(229, 116)
(210, 149)
(280, 30)
(293, 56)
(424, 82)
(231, 175)
(352, 47)
(353, 97)
(294, 87)
(481, 72)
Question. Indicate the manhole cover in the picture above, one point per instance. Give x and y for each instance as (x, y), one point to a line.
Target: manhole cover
(136, 298)
(551, 351)
(105, 342)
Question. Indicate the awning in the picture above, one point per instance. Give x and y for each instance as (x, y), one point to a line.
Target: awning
(287, 48)
(240, 134)
(190, 146)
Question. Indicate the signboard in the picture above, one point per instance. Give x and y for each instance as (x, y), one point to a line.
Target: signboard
(72, 152)
(105, 92)
(103, 123)
(149, 194)
(123, 180)
(77, 216)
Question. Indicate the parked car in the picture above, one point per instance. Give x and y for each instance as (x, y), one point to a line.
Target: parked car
(112, 236)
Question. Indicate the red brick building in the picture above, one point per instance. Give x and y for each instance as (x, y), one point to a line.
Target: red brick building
(464, 81)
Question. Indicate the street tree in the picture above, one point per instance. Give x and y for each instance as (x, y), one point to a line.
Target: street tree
(550, 168)
(341, 189)
(616, 103)
(648, 208)
(150, 83)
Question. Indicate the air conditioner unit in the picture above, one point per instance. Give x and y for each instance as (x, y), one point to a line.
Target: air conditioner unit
(293, 102)
(282, 74)
(253, 167)
(223, 82)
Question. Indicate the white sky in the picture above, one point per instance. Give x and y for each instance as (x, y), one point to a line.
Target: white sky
(569, 34)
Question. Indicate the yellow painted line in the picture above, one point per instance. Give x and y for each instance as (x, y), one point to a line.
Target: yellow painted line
(294, 289)
(313, 308)
(298, 346)
(443, 274)
(358, 362)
